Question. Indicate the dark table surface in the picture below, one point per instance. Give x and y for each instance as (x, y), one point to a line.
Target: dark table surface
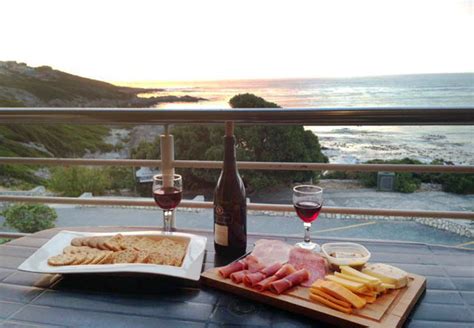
(31, 299)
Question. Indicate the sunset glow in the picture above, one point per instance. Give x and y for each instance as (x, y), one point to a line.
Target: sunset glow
(208, 40)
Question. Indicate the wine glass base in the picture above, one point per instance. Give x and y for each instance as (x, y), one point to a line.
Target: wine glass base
(310, 246)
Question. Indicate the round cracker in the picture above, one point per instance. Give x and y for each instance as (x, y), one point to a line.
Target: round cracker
(108, 258)
(76, 241)
(89, 258)
(79, 258)
(61, 259)
(126, 256)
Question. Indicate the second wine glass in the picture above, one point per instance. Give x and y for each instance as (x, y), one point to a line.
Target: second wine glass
(167, 191)
(308, 201)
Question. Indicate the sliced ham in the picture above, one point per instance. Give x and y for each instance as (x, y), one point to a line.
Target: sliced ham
(251, 279)
(227, 270)
(250, 262)
(281, 273)
(294, 279)
(265, 283)
(238, 276)
(305, 259)
(270, 251)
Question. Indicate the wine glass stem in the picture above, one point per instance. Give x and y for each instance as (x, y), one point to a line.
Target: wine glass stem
(167, 218)
(307, 228)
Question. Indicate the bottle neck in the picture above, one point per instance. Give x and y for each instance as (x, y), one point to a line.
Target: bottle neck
(229, 153)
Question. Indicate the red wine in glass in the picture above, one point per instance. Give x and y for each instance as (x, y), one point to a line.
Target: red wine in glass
(167, 191)
(167, 197)
(307, 211)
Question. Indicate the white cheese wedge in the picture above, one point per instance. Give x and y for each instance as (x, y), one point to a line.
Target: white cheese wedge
(387, 274)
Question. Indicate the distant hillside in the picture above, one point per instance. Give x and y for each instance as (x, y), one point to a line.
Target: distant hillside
(25, 86)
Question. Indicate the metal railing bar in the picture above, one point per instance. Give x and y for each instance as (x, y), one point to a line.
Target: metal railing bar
(245, 165)
(307, 116)
(251, 206)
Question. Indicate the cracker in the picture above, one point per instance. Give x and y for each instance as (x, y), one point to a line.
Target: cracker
(98, 257)
(113, 243)
(108, 258)
(76, 241)
(145, 243)
(101, 243)
(61, 259)
(92, 242)
(129, 242)
(89, 258)
(79, 258)
(142, 256)
(126, 256)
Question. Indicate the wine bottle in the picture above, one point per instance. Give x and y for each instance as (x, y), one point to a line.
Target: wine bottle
(230, 207)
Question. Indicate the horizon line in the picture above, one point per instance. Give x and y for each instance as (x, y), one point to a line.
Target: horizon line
(282, 78)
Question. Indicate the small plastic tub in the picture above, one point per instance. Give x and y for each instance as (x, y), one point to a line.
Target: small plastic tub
(351, 254)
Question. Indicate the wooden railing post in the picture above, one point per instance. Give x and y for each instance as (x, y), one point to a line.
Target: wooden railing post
(167, 159)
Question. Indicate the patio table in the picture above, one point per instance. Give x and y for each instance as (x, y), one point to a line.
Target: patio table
(31, 299)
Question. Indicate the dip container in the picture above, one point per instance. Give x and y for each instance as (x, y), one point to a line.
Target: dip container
(351, 254)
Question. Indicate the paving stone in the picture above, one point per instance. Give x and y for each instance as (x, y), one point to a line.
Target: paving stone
(10, 262)
(460, 271)
(32, 279)
(250, 313)
(16, 251)
(441, 312)
(434, 324)
(19, 294)
(443, 297)
(466, 284)
(5, 273)
(138, 304)
(8, 308)
(24, 324)
(82, 318)
(439, 283)
(468, 297)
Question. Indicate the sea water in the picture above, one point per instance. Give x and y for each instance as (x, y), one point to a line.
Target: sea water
(356, 144)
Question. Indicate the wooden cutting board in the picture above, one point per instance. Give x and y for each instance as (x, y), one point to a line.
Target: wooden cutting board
(390, 309)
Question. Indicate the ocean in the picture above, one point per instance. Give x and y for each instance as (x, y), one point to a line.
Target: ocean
(356, 144)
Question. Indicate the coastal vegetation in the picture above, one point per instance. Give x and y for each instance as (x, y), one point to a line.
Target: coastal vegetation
(254, 143)
(459, 183)
(25, 86)
(76, 180)
(29, 218)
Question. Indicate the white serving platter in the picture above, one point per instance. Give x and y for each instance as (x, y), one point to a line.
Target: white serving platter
(190, 269)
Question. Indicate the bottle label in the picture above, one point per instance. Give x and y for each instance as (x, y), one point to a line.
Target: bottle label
(221, 234)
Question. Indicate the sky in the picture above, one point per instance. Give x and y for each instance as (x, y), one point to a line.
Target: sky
(143, 40)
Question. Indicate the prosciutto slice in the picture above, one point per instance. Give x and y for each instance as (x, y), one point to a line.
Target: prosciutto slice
(250, 262)
(294, 279)
(270, 251)
(238, 276)
(283, 272)
(305, 259)
(251, 279)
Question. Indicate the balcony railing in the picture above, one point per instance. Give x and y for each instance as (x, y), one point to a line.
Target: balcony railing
(311, 116)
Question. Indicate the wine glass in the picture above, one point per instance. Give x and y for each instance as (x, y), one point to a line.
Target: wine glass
(308, 200)
(167, 191)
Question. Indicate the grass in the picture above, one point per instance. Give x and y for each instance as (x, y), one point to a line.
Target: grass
(4, 240)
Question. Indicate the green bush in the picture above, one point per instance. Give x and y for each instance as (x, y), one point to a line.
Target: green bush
(458, 183)
(253, 143)
(119, 177)
(74, 181)
(30, 218)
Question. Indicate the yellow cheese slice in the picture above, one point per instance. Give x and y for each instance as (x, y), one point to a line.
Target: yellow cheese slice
(351, 285)
(356, 273)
